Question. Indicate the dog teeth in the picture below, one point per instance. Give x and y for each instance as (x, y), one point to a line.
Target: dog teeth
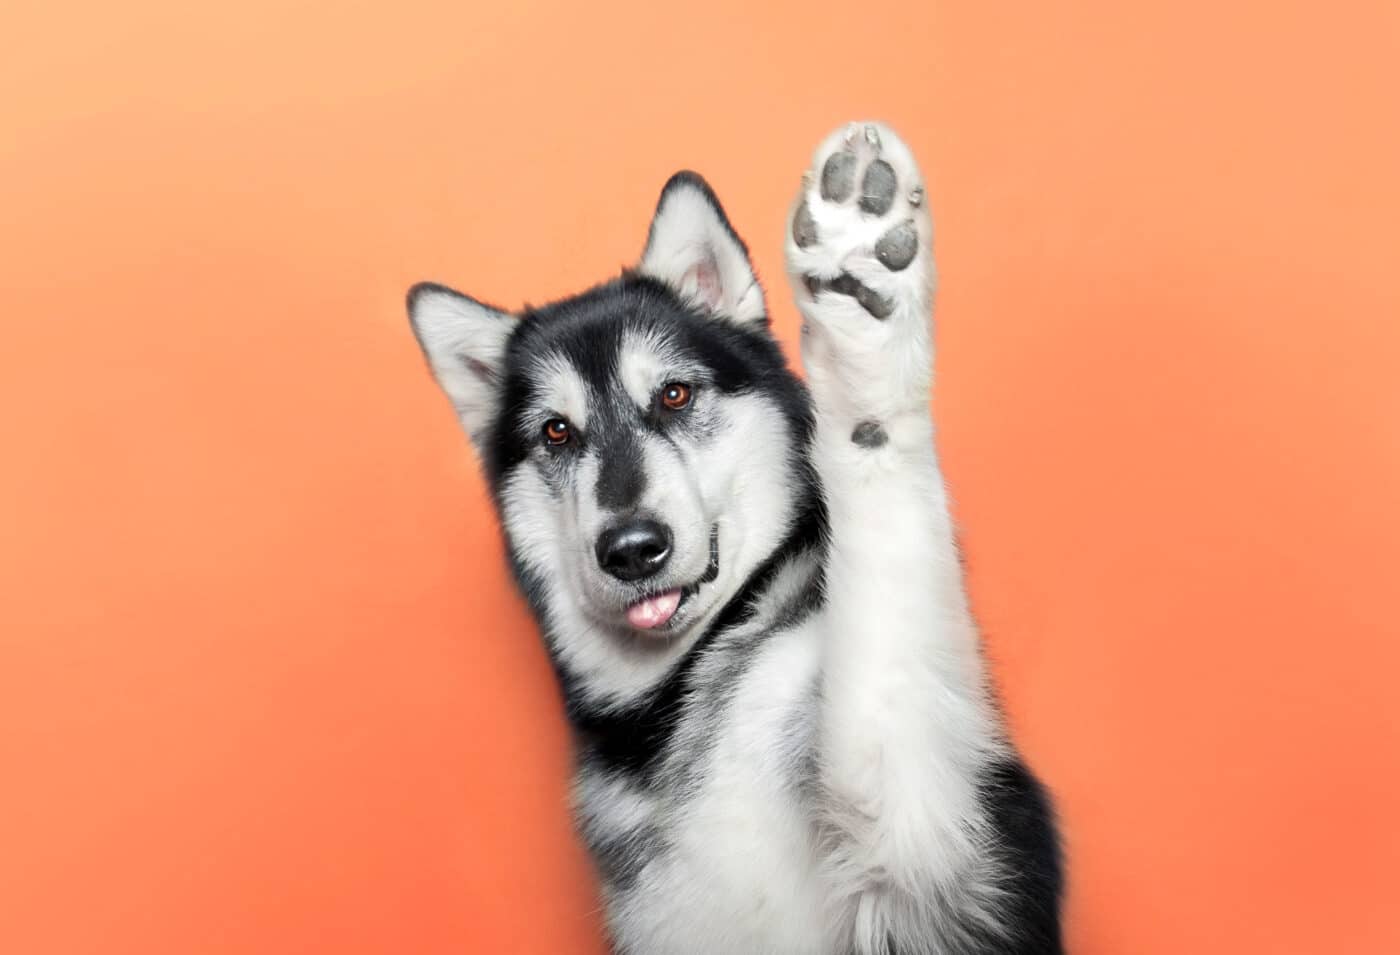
(851, 132)
(872, 136)
(916, 196)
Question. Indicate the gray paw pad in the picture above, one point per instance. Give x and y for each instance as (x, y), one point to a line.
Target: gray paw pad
(847, 284)
(872, 301)
(804, 229)
(869, 434)
(878, 187)
(896, 247)
(839, 176)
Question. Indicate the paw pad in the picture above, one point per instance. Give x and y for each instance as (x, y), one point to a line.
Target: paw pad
(869, 435)
(804, 229)
(855, 177)
(847, 284)
(896, 248)
(839, 176)
(877, 189)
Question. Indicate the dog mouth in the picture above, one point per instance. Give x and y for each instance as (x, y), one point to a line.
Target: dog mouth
(661, 611)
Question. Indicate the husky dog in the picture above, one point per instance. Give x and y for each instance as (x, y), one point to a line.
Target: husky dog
(749, 588)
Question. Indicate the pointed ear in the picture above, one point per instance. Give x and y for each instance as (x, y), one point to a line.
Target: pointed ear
(693, 248)
(465, 343)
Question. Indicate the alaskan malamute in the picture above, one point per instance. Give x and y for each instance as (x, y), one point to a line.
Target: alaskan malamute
(749, 587)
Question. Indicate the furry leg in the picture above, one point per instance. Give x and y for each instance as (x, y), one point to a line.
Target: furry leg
(906, 726)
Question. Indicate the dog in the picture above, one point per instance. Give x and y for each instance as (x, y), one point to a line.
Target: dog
(749, 586)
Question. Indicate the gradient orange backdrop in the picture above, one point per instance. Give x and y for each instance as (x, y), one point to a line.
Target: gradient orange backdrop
(264, 686)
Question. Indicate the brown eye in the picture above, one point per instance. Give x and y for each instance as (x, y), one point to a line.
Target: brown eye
(675, 396)
(556, 431)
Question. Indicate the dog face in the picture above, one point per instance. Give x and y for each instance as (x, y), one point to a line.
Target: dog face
(644, 441)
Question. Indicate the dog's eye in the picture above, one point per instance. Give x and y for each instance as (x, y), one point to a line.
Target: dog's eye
(675, 395)
(557, 431)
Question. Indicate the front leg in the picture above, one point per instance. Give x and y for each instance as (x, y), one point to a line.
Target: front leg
(906, 725)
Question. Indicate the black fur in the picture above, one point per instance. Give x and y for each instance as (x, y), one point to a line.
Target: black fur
(621, 484)
(1021, 813)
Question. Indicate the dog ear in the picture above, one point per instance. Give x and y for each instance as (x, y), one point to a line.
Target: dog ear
(693, 248)
(465, 343)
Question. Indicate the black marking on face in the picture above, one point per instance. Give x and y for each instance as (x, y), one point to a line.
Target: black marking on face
(621, 472)
(869, 435)
(588, 333)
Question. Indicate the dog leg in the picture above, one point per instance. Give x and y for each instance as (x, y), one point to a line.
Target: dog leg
(906, 725)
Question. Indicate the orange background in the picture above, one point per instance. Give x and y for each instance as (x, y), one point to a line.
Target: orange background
(264, 686)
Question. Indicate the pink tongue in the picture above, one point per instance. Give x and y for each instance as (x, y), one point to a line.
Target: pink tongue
(654, 611)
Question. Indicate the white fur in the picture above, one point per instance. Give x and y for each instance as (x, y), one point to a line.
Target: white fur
(691, 250)
(563, 394)
(744, 875)
(464, 342)
(645, 364)
(858, 367)
(905, 722)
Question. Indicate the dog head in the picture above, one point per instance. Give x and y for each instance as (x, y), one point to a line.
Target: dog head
(644, 441)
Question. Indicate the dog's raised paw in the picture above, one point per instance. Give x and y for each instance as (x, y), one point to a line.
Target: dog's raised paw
(859, 253)
(860, 229)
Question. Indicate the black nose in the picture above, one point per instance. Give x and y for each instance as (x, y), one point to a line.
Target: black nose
(634, 550)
